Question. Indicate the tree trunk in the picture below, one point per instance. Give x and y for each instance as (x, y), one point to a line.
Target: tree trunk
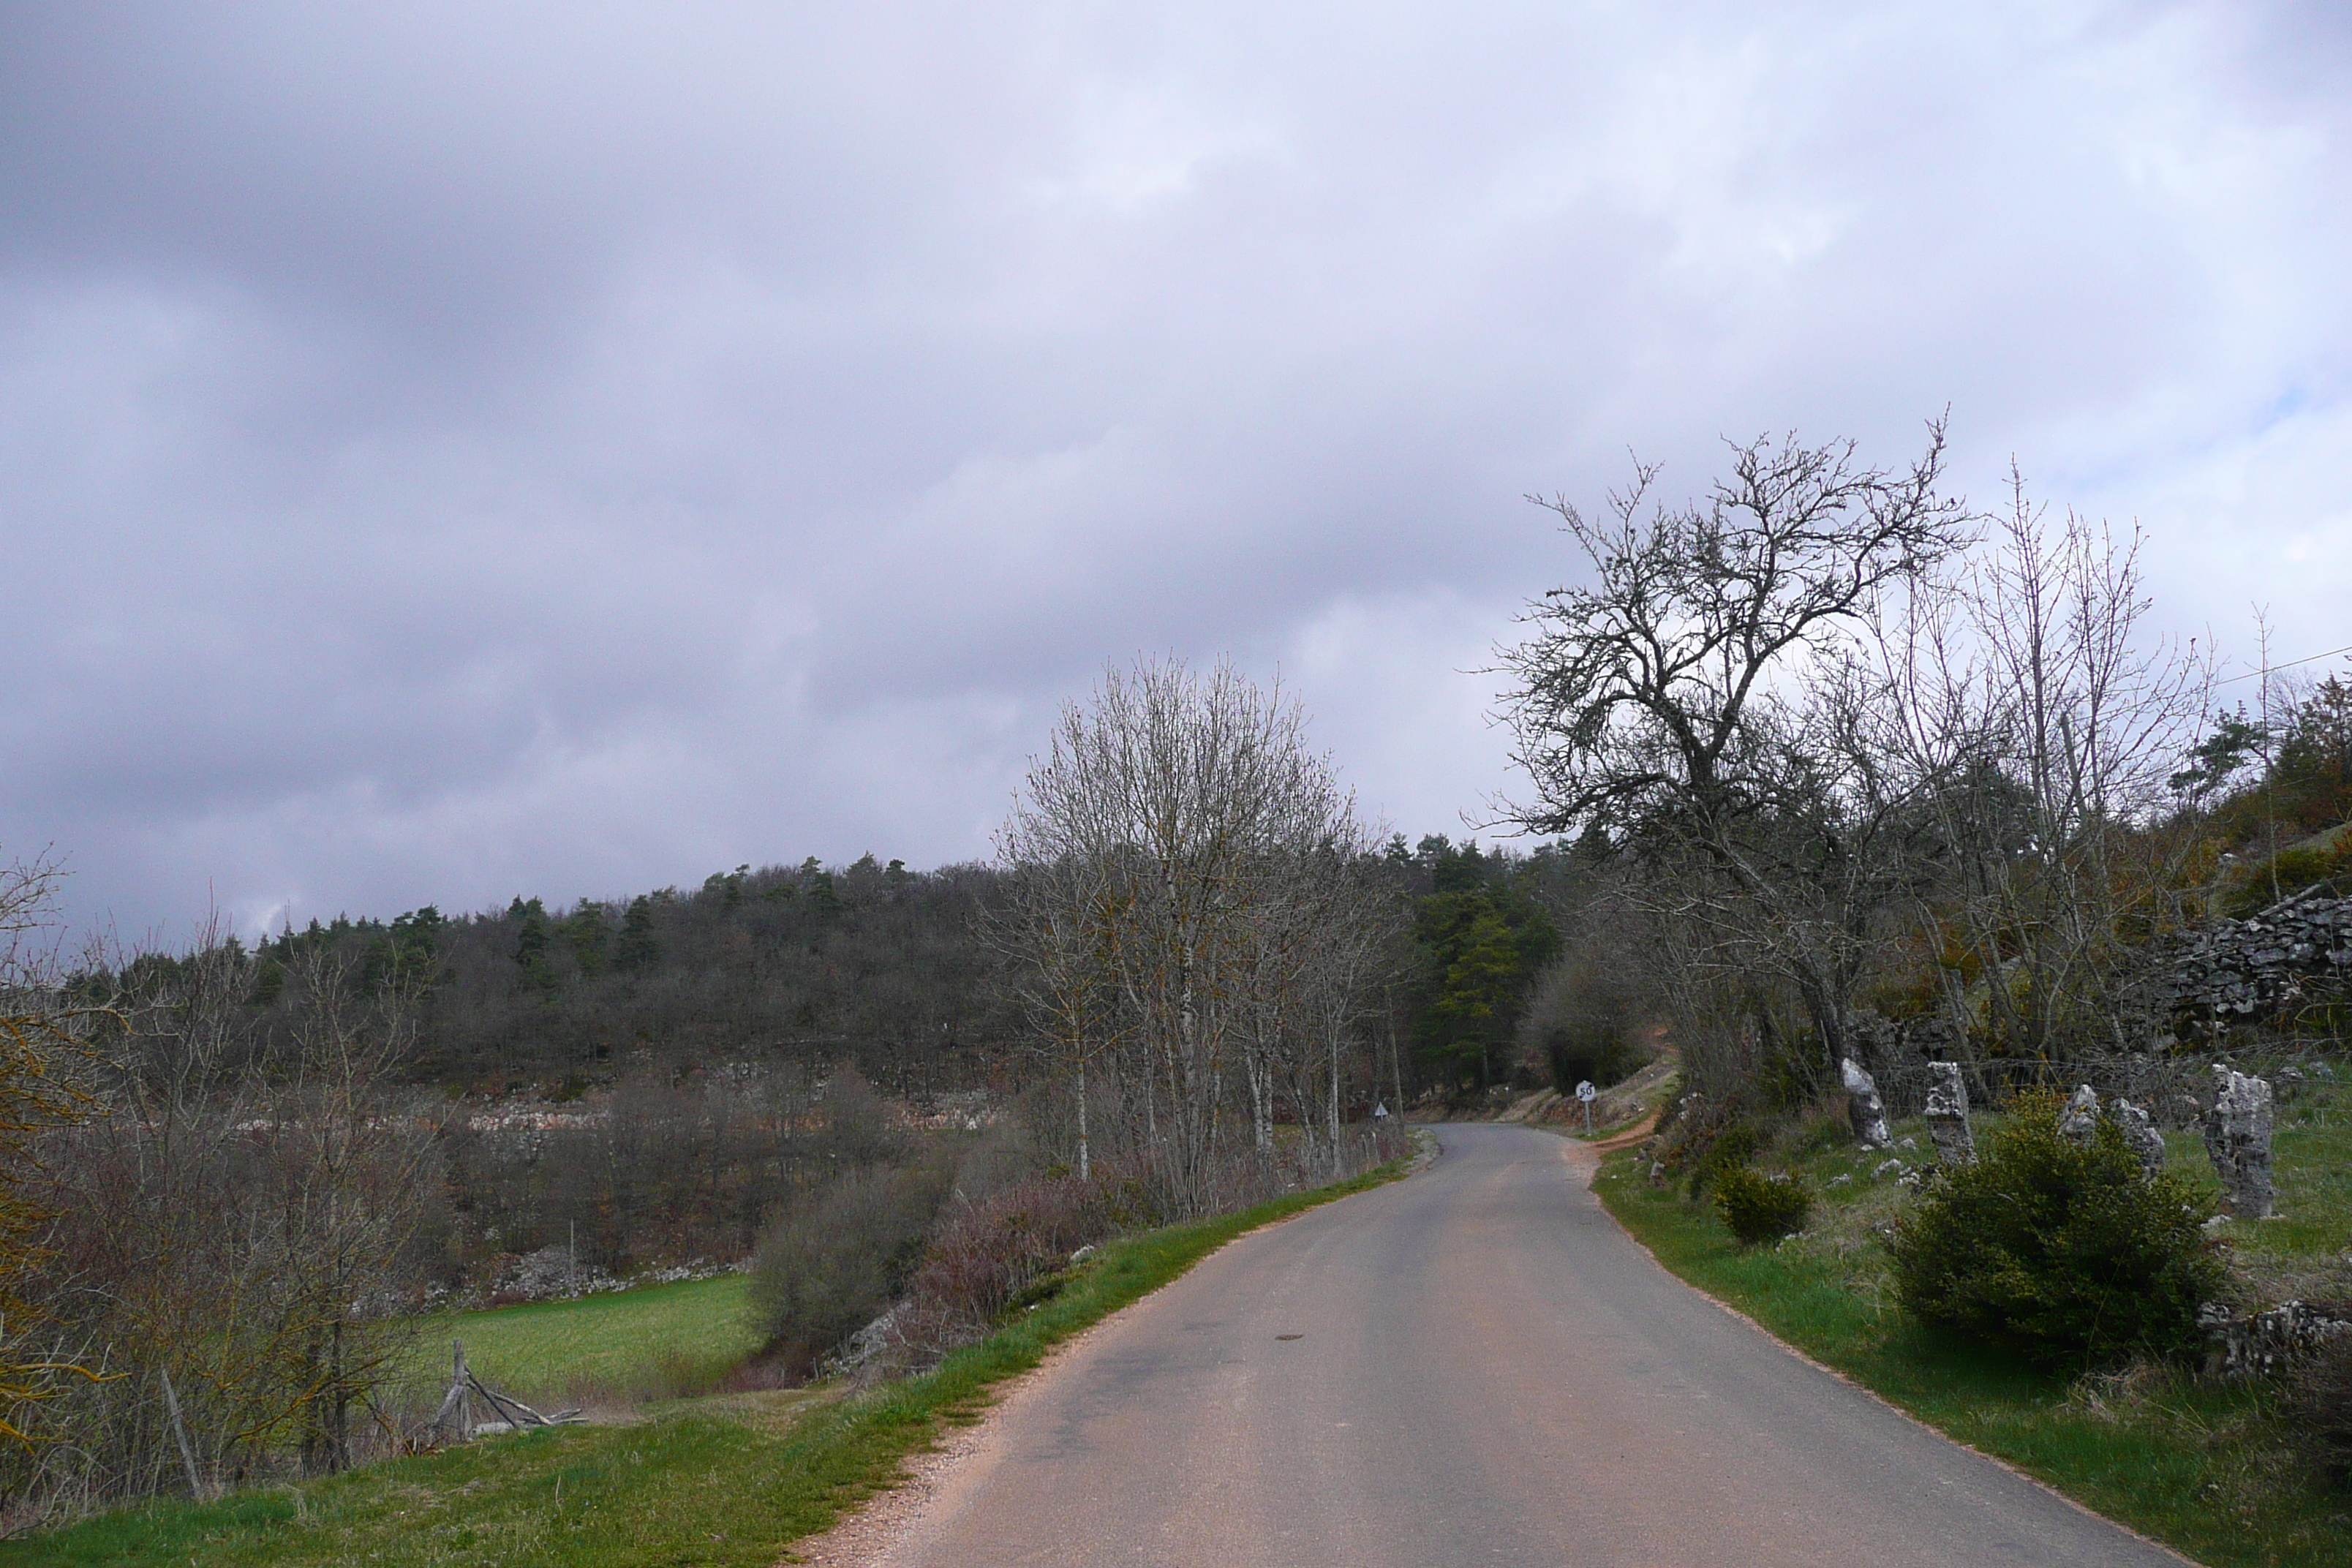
(1084, 1172)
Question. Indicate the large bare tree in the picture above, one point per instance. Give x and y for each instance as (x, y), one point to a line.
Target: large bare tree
(1692, 699)
(1169, 904)
(2046, 732)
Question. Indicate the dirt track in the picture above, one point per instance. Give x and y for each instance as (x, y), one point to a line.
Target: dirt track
(1475, 1366)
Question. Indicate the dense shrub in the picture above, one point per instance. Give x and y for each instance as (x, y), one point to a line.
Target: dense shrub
(840, 1257)
(1713, 1154)
(1009, 1247)
(2063, 1251)
(2320, 1404)
(1760, 1208)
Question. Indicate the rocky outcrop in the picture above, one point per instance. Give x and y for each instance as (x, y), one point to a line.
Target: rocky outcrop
(2080, 1121)
(2263, 1343)
(1625, 1101)
(549, 1274)
(1537, 1107)
(2140, 1133)
(1948, 1114)
(1863, 1108)
(2238, 1139)
(2235, 972)
(872, 1346)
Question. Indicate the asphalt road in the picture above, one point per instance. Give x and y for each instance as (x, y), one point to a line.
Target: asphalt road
(1475, 1366)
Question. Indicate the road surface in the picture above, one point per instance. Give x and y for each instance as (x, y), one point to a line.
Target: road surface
(1475, 1366)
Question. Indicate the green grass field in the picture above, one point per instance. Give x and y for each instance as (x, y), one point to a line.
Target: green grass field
(723, 1482)
(2206, 1468)
(660, 1343)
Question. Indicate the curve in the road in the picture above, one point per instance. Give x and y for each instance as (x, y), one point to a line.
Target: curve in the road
(1475, 1366)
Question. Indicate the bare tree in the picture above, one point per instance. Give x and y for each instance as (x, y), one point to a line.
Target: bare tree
(233, 1218)
(43, 1032)
(1059, 922)
(2047, 735)
(1694, 701)
(1163, 858)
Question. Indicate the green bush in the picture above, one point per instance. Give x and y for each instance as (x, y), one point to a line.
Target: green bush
(2063, 1251)
(1727, 1148)
(1762, 1208)
(841, 1256)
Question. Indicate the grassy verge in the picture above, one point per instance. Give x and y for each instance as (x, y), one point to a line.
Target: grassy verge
(662, 1342)
(712, 1483)
(2205, 1467)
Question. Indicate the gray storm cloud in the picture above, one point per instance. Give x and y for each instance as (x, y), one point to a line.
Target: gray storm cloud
(484, 449)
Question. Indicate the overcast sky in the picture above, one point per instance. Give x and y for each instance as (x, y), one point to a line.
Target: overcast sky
(454, 451)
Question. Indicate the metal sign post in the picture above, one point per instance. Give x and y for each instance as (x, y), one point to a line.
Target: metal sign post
(1585, 1091)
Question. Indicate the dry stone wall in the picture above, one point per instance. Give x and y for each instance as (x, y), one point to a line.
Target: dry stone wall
(2243, 972)
(2263, 1343)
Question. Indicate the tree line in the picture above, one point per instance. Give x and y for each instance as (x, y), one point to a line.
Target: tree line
(870, 962)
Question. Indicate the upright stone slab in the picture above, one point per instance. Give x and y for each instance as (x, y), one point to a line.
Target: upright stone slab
(1863, 1108)
(2238, 1139)
(2140, 1134)
(1948, 1114)
(2080, 1120)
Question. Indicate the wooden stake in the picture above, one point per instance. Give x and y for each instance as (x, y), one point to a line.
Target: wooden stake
(179, 1433)
(458, 1400)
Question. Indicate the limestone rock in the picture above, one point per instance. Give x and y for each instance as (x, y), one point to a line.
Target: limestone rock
(2260, 1345)
(1863, 1108)
(2080, 1120)
(876, 1342)
(1948, 1114)
(2139, 1132)
(548, 1275)
(2237, 1140)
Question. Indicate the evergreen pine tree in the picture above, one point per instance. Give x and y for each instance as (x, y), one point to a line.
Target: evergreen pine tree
(638, 948)
(531, 945)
